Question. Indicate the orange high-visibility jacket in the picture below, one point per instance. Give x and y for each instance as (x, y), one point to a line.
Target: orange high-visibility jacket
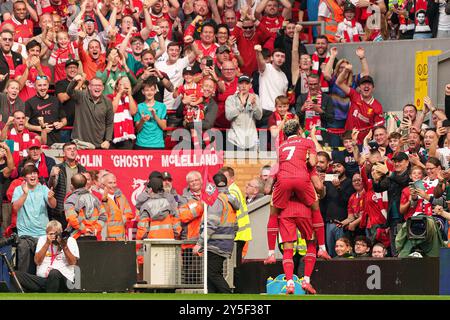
(84, 213)
(331, 23)
(119, 213)
(191, 214)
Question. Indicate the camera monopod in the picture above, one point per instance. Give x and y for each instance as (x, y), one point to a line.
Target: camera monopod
(12, 272)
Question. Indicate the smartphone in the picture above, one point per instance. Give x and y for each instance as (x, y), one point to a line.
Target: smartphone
(373, 145)
(419, 185)
(10, 144)
(331, 177)
(209, 63)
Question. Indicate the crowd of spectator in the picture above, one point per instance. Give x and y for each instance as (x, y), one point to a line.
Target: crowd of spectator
(117, 74)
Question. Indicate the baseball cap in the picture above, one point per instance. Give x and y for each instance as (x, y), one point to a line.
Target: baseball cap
(166, 175)
(155, 174)
(222, 49)
(188, 70)
(220, 180)
(348, 6)
(88, 18)
(366, 79)
(400, 157)
(71, 62)
(34, 143)
(244, 78)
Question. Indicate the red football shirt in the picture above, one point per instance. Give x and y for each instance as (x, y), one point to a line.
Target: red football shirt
(292, 157)
(296, 209)
(362, 114)
(207, 51)
(246, 47)
(221, 97)
(10, 62)
(155, 18)
(23, 30)
(375, 204)
(272, 25)
(29, 90)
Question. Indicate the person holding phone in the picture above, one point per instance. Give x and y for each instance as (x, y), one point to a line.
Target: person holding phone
(335, 203)
(393, 183)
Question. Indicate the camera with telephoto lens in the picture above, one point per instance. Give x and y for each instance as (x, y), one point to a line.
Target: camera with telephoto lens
(64, 235)
(13, 240)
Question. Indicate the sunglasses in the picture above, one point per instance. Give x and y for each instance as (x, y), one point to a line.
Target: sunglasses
(7, 39)
(248, 28)
(41, 78)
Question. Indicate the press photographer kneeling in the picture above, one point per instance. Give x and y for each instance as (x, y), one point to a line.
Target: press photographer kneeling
(56, 255)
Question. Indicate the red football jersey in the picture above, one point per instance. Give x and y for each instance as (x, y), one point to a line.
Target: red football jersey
(362, 114)
(375, 204)
(292, 157)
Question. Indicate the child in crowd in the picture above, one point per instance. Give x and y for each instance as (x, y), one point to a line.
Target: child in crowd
(362, 247)
(343, 248)
(394, 143)
(379, 250)
(150, 119)
(349, 30)
(278, 118)
(194, 110)
(406, 202)
(64, 51)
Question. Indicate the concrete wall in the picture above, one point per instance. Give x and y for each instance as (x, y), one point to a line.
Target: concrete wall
(392, 66)
(438, 77)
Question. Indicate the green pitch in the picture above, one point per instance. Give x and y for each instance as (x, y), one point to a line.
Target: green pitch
(173, 296)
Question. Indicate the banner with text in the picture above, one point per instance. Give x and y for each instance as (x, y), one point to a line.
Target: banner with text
(132, 167)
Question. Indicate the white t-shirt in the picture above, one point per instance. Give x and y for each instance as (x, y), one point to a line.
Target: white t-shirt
(444, 19)
(55, 259)
(272, 83)
(323, 10)
(175, 74)
(444, 154)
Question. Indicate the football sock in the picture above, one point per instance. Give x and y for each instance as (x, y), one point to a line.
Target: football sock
(318, 227)
(288, 263)
(272, 231)
(310, 258)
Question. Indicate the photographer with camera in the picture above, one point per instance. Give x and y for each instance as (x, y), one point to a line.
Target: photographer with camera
(56, 255)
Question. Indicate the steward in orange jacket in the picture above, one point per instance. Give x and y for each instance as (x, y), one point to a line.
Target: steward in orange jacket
(119, 212)
(84, 213)
(331, 22)
(158, 218)
(117, 209)
(191, 214)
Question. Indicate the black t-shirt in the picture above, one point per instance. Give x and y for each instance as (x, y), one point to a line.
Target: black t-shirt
(50, 110)
(69, 105)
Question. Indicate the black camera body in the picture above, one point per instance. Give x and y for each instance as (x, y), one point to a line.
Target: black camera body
(13, 240)
(417, 227)
(64, 235)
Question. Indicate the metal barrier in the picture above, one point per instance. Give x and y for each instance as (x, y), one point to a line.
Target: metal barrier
(321, 24)
(168, 264)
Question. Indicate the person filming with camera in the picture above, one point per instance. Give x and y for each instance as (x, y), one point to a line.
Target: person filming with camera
(56, 256)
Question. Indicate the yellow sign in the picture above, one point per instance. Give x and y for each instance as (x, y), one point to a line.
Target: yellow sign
(421, 76)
